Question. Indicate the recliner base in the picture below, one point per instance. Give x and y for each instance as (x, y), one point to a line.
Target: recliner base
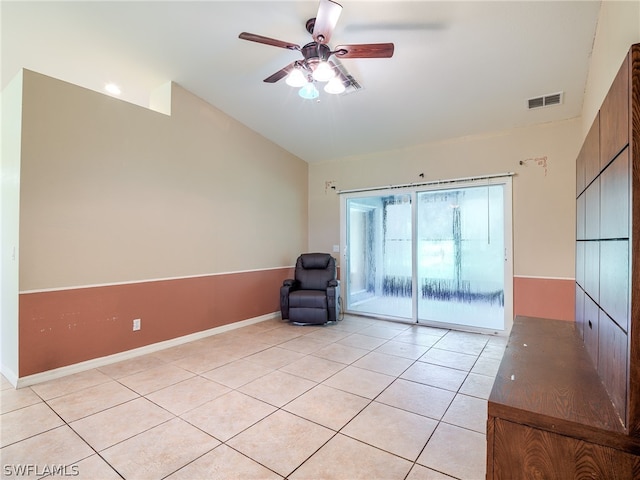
(306, 324)
(308, 316)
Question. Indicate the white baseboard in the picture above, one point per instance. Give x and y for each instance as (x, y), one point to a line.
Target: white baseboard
(136, 352)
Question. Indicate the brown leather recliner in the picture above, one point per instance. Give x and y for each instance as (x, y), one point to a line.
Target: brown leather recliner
(313, 296)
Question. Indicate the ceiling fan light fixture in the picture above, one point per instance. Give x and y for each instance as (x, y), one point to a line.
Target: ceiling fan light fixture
(323, 72)
(309, 91)
(296, 78)
(315, 65)
(335, 86)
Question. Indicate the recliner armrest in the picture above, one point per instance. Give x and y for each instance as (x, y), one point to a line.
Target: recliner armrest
(288, 286)
(333, 299)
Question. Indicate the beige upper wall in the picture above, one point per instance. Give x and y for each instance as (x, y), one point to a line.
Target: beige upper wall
(112, 192)
(618, 29)
(543, 202)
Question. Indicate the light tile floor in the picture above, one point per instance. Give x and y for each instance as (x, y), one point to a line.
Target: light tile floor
(359, 399)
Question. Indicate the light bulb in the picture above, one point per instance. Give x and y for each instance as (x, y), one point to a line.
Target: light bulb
(296, 78)
(323, 72)
(309, 91)
(335, 86)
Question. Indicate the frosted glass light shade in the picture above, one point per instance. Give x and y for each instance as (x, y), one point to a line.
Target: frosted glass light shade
(335, 86)
(296, 78)
(323, 72)
(309, 91)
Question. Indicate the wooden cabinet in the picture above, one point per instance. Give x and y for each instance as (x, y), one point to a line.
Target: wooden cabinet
(606, 276)
(588, 161)
(570, 457)
(549, 414)
(614, 115)
(604, 240)
(566, 401)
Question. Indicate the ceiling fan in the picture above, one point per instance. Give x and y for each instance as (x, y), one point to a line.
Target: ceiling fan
(315, 64)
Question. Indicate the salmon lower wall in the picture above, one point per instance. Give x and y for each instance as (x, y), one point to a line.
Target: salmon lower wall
(64, 327)
(552, 298)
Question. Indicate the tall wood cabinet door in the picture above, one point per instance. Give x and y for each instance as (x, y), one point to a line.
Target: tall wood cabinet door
(615, 198)
(580, 299)
(580, 171)
(612, 362)
(591, 320)
(580, 255)
(581, 218)
(634, 328)
(580, 174)
(591, 153)
(615, 280)
(614, 116)
(592, 269)
(592, 211)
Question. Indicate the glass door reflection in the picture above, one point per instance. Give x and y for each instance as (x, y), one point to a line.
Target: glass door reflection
(379, 258)
(460, 256)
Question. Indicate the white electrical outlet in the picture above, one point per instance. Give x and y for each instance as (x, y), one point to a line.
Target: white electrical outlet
(136, 324)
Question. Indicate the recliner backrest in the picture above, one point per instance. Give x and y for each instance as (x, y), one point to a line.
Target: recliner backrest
(315, 270)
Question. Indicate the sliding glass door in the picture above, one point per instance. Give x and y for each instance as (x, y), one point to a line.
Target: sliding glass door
(379, 260)
(430, 255)
(461, 256)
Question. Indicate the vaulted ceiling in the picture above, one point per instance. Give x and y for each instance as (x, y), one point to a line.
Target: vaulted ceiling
(459, 68)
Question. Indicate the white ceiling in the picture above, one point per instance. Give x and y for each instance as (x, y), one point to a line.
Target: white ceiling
(459, 68)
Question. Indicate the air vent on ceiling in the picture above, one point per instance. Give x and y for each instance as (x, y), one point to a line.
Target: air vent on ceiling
(545, 100)
(353, 85)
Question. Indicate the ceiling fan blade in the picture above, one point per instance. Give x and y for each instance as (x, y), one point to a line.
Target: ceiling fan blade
(326, 20)
(280, 74)
(365, 50)
(252, 37)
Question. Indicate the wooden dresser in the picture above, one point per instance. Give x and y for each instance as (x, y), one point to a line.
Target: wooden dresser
(550, 416)
(566, 402)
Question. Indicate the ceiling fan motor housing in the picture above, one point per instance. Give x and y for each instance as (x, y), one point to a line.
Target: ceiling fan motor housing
(314, 52)
(309, 25)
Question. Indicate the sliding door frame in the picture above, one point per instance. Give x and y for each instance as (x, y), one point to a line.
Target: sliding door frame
(505, 180)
